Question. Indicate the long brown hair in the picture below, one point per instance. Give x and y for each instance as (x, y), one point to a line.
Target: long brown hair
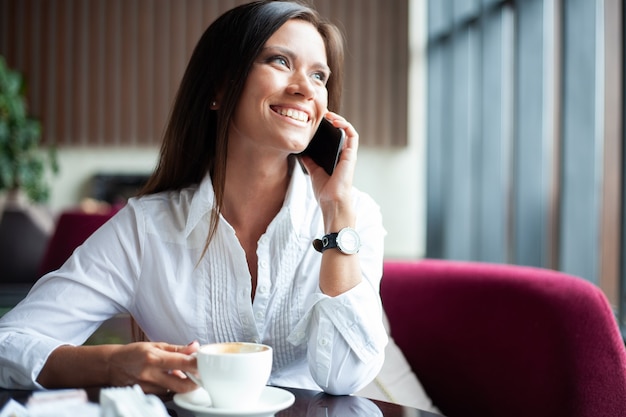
(196, 137)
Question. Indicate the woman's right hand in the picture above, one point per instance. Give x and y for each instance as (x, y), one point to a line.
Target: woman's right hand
(158, 368)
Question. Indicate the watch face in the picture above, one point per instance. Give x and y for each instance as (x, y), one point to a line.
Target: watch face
(348, 241)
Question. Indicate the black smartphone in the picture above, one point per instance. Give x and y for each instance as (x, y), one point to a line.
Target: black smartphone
(326, 145)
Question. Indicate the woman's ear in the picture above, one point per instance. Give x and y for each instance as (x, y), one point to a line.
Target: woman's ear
(217, 101)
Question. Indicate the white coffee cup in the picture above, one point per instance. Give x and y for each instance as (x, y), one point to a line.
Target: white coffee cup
(233, 373)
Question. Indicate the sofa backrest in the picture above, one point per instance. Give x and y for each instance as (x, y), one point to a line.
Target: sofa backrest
(72, 228)
(504, 340)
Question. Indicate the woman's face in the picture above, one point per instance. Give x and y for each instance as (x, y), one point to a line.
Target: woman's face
(284, 97)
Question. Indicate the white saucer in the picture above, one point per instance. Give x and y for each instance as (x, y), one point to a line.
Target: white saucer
(272, 401)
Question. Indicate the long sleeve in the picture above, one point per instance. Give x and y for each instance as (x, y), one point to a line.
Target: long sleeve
(66, 306)
(345, 334)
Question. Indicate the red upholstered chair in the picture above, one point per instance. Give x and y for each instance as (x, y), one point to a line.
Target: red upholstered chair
(73, 227)
(502, 340)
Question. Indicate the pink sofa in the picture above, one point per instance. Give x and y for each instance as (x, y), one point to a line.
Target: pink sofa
(502, 340)
(72, 228)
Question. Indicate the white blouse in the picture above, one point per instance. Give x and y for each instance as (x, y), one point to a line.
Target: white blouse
(145, 261)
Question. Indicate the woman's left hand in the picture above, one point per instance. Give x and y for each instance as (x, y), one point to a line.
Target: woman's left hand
(338, 272)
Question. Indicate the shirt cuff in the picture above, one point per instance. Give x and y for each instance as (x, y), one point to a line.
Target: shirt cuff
(355, 314)
(22, 372)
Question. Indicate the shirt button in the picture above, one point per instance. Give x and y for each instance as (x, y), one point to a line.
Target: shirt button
(323, 341)
(263, 289)
(260, 315)
(264, 264)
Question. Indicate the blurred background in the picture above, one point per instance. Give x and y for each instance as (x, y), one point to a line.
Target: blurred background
(490, 130)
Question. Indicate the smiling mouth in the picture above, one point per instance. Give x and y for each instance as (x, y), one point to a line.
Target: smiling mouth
(292, 114)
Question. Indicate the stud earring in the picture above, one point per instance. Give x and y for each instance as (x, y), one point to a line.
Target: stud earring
(214, 104)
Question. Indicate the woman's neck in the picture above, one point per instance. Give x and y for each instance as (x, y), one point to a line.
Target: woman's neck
(254, 194)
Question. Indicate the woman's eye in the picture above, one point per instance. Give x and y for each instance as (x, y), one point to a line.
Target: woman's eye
(320, 76)
(280, 60)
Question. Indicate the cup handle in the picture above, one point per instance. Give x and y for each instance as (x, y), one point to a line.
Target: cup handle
(195, 378)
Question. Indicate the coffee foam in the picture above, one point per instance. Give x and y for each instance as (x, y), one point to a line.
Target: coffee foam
(234, 347)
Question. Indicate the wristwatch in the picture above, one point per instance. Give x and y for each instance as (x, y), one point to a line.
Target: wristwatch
(347, 240)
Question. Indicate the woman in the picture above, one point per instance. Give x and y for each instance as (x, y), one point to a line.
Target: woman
(218, 246)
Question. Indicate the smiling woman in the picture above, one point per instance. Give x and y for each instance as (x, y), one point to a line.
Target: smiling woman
(218, 246)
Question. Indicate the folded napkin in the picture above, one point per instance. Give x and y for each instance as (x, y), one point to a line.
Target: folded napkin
(13, 409)
(114, 402)
(130, 402)
(57, 403)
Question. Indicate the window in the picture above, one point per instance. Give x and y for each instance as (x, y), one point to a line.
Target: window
(525, 135)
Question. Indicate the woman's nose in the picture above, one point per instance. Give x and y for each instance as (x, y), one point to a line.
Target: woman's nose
(301, 84)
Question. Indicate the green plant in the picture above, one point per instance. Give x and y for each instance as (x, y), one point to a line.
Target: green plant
(22, 160)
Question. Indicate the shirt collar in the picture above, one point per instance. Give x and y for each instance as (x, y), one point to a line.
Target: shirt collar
(201, 204)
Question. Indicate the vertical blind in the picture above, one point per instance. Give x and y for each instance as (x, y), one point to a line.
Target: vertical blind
(105, 72)
(525, 136)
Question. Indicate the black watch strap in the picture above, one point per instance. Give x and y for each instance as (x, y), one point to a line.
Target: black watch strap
(328, 241)
(347, 241)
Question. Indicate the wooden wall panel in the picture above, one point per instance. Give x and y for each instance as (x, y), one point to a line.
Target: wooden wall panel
(105, 72)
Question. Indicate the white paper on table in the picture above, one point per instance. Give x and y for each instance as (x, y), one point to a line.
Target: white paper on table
(61, 403)
(13, 409)
(65, 410)
(130, 402)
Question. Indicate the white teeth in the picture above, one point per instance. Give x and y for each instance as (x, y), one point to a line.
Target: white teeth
(294, 114)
